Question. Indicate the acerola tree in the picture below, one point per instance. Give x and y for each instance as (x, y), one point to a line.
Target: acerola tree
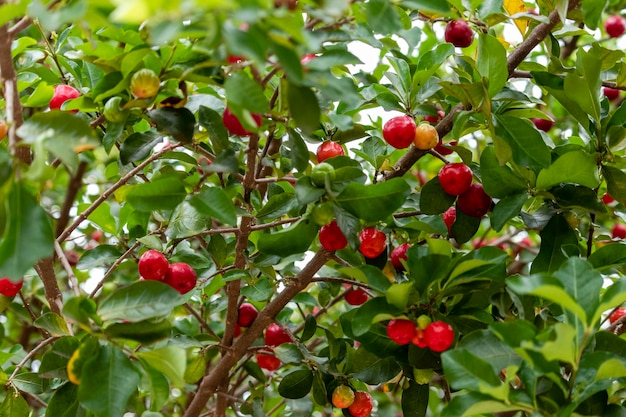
(172, 244)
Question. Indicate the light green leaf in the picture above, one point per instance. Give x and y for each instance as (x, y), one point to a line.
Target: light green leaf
(215, 202)
(374, 202)
(53, 324)
(242, 92)
(187, 220)
(171, 360)
(161, 194)
(382, 17)
(578, 167)
(492, 63)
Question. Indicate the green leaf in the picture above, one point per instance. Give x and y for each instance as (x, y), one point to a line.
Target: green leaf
(99, 256)
(64, 402)
(14, 405)
(491, 62)
(108, 380)
(576, 167)
(415, 400)
(250, 43)
(475, 404)
(371, 369)
(583, 85)
(304, 108)
(242, 92)
(226, 161)
(138, 146)
(298, 152)
(431, 6)
(260, 290)
(162, 194)
(576, 196)
(464, 227)
(170, 360)
(507, 208)
(306, 192)
(54, 362)
(295, 239)
(212, 122)
(372, 311)
(464, 370)
(582, 283)
(615, 182)
(433, 200)
(215, 202)
(527, 145)
(558, 242)
(382, 17)
(63, 133)
(374, 202)
(28, 235)
(278, 205)
(498, 179)
(614, 295)
(608, 256)
(187, 220)
(140, 301)
(178, 123)
(145, 332)
(53, 324)
(296, 384)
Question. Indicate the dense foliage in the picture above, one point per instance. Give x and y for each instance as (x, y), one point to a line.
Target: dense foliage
(173, 245)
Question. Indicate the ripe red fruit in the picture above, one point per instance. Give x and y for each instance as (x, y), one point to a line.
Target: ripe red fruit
(617, 314)
(235, 59)
(9, 288)
(306, 58)
(419, 339)
(614, 26)
(373, 242)
(96, 235)
(275, 335)
(398, 255)
(444, 149)
(72, 257)
(355, 297)
(233, 124)
(459, 34)
(4, 129)
(181, 277)
(474, 202)
(63, 93)
(611, 93)
(401, 331)
(607, 199)
(399, 131)
(332, 238)
(153, 265)
(433, 120)
(247, 314)
(439, 336)
(237, 330)
(618, 231)
(268, 362)
(329, 149)
(543, 124)
(455, 178)
(449, 216)
(342, 396)
(362, 405)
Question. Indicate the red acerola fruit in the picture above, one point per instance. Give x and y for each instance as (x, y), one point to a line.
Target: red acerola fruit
(607, 199)
(233, 124)
(398, 255)
(331, 237)
(356, 297)
(9, 288)
(455, 178)
(275, 335)
(96, 235)
(247, 314)
(329, 149)
(63, 93)
(614, 26)
(181, 277)
(235, 59)
(543, 124)
(72, 257)
(611, 93)
(419, 339)
(342, 397)
(362, 405)
(458, 33)
(399, 131)
(617, 314)
(618, 231)
(439, 336)
(445, 149)
(373, 242)
(449, 216)
(267, 362)
(153, 265)
(474, 202)
(433, 120)
(401, 331)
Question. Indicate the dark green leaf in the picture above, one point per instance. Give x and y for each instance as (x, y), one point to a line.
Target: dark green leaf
(64, 402)
(615, 182)
(54, 362)
(578, 167)
(99, 256)
(138, 146)
(558, 242)
(261, 290)
(290, 241)
(162, 194)
(242, 92)
(225, 162)
(374, 202)
(463, 369)
(28, 235)
(304, 108)
(608, 256)
(306, 192)
(178, 123)
(383, 17)
(415, 399)
(371, 369)
(212, 122)
(298, 152)
(431, 6)
(145, 332)
(278, 205)
(506, 209)
(526, 144)
(464, 227)
(433, 200)
(187, 220)
(296, 384)
(14, 405)
(474, 404)
(576, 196)
(215, 202)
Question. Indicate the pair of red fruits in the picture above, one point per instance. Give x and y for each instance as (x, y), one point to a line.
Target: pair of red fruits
(357, 403)
(438, 336)
(456, 179)
(153, 265)
(274, 336)
(372, 241)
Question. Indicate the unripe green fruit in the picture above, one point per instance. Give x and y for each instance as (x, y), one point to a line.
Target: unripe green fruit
(319, 173)
(323, 213)
(423, 321)
(145, 83)
(423, 376)
(114, 112)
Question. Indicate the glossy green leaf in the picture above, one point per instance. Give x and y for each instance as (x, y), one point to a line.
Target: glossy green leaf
(290, 241)
(170, 360)
(578, 167)
(431, 6)
(371, 369)
(374, 202)
(474, 404)
(138, 146)
(582, 283)
(491, 62)
(278, 205)
(162, 194)
(108, 380)
(139, 301)
(464, 227)
(145, 332)
(615, 182)
(53, 324)
(415, 400)
(608, 256)
(433, 200)
(527, 146)
(506, 209)
(296, 384)
(261, 290)
(577, 196)
(178, 123)
(306, 192)
(499, 180)
(99, 256)
(187, 220)
(212, 122)
(64, 402)
(558, 242)
(28, 235)
(242, 92)
(14, 405)
(298, 152)
(583, 85)
(374, 310)
(304, 108)
(615, 295)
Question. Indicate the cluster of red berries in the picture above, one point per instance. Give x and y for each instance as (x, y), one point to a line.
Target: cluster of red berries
(438, 336)
(153, 265)
(10, 288)
(373, 242)
(274, 336)
(357, 403)
(456, 180)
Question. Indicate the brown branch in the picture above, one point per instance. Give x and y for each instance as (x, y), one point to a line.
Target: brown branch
(211, 381)
(73, 187)
(45, 270)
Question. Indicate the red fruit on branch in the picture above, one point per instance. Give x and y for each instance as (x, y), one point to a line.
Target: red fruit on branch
(543, 124)
(247, 314)
(342, 396)
(401, 331)
(474, 202)
(362, 405)
(233, 124)
(399, 131)
(331, 237)
(275, 335)
(153, 265)
(618, 231)
(455, 178)
(63, 93)
(449, 216)
(617, 314)
(10, 288)
(611, 94)
(614, 26)
(268, 362)
(439, 336)
(373, 242)
(356, 297)
(398, 255)
(329, 149)
(458, 33)
(433, 120)
(181, 277)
